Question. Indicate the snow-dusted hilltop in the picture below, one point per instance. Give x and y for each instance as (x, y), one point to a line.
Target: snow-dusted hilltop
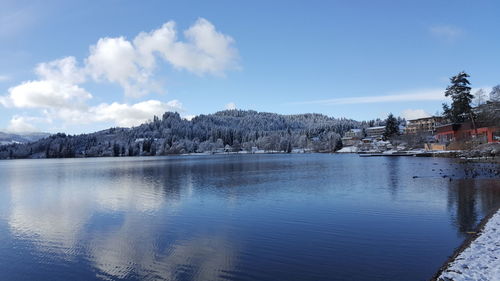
(230, 130)
(10, 138)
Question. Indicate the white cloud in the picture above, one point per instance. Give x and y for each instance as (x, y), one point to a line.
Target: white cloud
(56, 89)
(121, 114)
(63, 70)
(46, 94)
(20, 124)
(59, 97)
(446, 32)
(132, 64)
(231, 106)
(59, 94)
(207, 51)
(410, 114)
(160, 41)
(132, 115)
(4, 78)
(114, 59)
(420, 95)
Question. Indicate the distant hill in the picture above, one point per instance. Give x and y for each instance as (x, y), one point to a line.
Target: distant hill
(9, 138)
(229, 130)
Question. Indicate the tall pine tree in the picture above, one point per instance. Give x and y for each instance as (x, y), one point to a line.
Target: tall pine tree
(391, 126)
(459, 91)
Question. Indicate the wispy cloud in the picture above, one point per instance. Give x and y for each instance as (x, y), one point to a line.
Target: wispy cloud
(420, 95)
(448, 33)
(4, 78)
(410, 114)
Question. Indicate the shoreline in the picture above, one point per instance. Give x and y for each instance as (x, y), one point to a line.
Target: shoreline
(431, 154)
(180, 154)
(478, 232)
(427, 154)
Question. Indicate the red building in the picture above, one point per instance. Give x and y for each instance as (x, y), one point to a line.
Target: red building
(465, 131)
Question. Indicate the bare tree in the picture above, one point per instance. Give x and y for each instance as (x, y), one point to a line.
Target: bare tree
(495, 94)
(479, 97)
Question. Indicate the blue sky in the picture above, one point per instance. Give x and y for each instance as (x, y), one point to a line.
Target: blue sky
(88, 65)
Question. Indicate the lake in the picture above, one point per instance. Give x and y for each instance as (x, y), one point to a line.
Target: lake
(236, 217)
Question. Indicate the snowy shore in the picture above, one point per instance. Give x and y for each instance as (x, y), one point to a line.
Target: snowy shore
(481, 259)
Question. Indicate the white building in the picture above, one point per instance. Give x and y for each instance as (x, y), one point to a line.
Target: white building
(375, 132)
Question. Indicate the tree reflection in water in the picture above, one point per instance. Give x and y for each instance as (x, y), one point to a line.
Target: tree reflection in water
(206, 218)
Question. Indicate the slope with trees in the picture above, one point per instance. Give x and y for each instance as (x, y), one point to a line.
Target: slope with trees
(230, 130)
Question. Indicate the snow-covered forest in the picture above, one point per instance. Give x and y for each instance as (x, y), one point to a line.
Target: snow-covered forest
(8, 138)
(224, 131)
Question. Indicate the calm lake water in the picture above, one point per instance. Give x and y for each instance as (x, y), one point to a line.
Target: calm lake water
(235, 217)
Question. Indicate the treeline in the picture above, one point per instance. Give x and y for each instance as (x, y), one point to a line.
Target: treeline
(230, 130)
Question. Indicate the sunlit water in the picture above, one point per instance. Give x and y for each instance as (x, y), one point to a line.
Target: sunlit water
(229, 217)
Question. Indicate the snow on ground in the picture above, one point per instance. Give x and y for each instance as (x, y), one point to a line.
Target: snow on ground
(481, 260)
(348, 149)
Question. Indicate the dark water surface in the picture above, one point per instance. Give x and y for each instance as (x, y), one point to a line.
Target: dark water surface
(247, 217)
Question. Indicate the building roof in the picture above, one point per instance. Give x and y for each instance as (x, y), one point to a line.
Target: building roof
(425, 118)
(376, 128)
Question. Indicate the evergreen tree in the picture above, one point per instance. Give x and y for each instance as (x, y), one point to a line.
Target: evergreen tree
(116, 149)
(391, 126)
(459, 91)
(339, 144)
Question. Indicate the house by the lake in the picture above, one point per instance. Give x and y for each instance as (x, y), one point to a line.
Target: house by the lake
(425, 125)
(352, 137)
(375, 132)
(467, 131)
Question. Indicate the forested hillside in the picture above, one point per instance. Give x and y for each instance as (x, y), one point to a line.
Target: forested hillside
(8, 138)
(230, 130)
